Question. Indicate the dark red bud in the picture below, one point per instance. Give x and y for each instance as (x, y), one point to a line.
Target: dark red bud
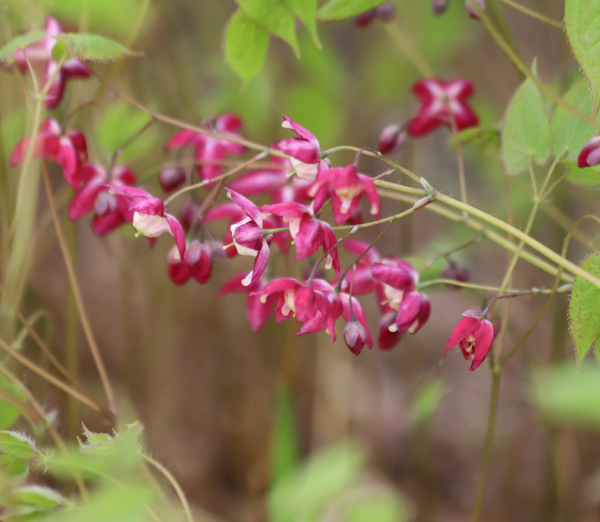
(457, 273)
(172, 178)
(386, 11)
(355, 336)
(439, 6)
(364, 19)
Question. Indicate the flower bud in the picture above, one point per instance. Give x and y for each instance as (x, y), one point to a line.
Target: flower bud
(469, 5)
(364, 19)
(439, 6)
(457, 273)
(391, 139)
(386, 11)
(198, 258)
(590, 154)
(178, 270)
(172, 178)
(355, 336)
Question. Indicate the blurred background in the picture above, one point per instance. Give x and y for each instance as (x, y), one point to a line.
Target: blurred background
(234, 414)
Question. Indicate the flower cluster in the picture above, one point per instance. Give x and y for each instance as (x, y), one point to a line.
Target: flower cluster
(38, 58)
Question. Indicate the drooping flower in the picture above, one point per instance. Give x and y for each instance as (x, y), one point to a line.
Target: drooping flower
(249, 238)
(590, 154)
(110, 210)
(304, 150)
(178, 270)
(474, 335)
(148, 215)
(345, 187)
(354, 336)
(308, 232)
(171, 178)
(198, 259)
(442, 103)
(210, 151)
(39, 55)
(68, 150)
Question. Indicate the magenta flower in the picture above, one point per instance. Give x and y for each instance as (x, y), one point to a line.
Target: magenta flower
(308, 232)
(590, 154)
(345, 187)
(208, 150)
(474, 335)
(442, 103)
(178, 270)
(69, 151)
(304, 151)
(258, 311)
(111, 211)
(249, 238)
(39, 55)
(171, 178)
(148, 215)
(307, 304)
(198, 258)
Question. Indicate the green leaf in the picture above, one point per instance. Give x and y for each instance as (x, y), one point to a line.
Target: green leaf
(582, 22)
(303, 495)
(569, 132)
(39, 498)
(342, 9)
(285, 447)
(381, 505)
(9, 413)
(588, 177)
(93, 47)
(526, 131)
(427, 401)
(17, 444)
(273, 16)
(23, 40)
(113, 17)
(246, 45)
(306, 10)
(584, 309)
(13, 466)
(568, 396)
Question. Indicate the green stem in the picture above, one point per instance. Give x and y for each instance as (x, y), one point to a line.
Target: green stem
(494, 33)
(487, 288)
(167, 474)
(484, 231)
(409, 50)
(487, 447)
(85, 322)
(534, 14)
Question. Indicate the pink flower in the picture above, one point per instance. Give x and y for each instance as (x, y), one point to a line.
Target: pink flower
(345, 187)
(208, 150)
(178, 270)
(442, 102)
(249, 237)
(171, 178)
(304, 151)
(307, 232)
(439, 6)
(69, 151)
(258, 311)
(590, 154)
(307, 304)
(39, 55)
(474, 335)
(198, 259)
(111, 211)
(148, 215)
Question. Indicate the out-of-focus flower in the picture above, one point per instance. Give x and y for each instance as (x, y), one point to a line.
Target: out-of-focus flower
(469, 6)
(178, 270)
(391, 139)
(111, 211)
(69, 151)
(384, 12)
(355, 336)
(442, 103)
(208, 150)
(171, 178)
(439, 6)
(198, 259)
(457, 273)
(39, 55)
(474, 335)
(590, 154)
